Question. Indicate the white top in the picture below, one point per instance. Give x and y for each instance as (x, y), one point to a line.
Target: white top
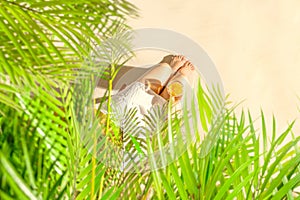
(135, 95)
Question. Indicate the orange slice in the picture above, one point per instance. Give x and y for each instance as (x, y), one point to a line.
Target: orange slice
(175, 89)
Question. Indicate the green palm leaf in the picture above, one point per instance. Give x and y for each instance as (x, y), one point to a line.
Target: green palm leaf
(53, 146)
(42, 46)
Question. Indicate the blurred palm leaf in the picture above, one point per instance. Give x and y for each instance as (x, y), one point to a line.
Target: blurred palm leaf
(229, 163)
(31, 146)
(43, 42)
(42, 46)
(52, 146)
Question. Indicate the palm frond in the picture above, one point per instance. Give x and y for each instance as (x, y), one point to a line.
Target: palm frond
(43, 44)
(54, 145)
(36, 130)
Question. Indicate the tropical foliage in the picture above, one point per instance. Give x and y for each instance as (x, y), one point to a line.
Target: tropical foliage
(55, 145)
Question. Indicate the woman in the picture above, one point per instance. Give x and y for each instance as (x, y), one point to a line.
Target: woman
(164, 82)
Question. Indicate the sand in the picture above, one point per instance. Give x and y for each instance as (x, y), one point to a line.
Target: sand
(255, 46)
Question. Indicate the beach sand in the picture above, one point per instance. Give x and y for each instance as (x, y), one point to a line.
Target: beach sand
(255, 46)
